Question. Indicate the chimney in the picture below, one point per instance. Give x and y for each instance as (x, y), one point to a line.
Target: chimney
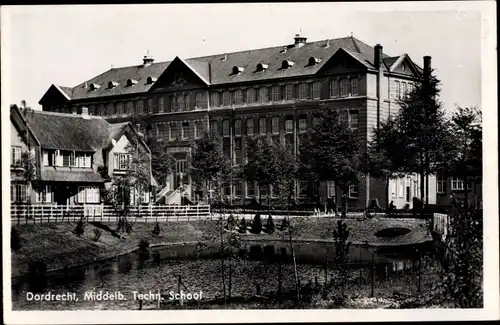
(377, 57)
(299, 40)
(427, 68)
(147, 60)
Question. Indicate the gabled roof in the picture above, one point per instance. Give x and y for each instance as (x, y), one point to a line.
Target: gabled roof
(117, 130)
(56, 91)
(217, 69)
(15, 111)
(394, 62)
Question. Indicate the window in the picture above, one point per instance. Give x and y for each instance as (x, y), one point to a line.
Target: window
(130, 108)
(187, 100)
(393, 188)
(344, 118)
(262, 126)
(160, 131)
(353, 120)
(237, 128)
(289, 92)
(101, 110)
(184, 130)
(198, 129)
(354, 86)
(72, 159)
(288, 126)
(91, 110)
(334, 88)
(173, 103)
(88, 194)
(398, 89)
(119, 108)
(302, 125)
(250, 96)
(161, 105)
(275, 125)
(181, 105)
(122, 161)
(275, 93)
(401, 187)
(345, 87)
(404, 90)
(197, 100)
(238, 97)
(172, 131)
(250, 189)
(441, 184)
(215, 99)
(16, 156)
(331, 189)
(83, 160)
(139, 106)
(303, 91)
(214, 127)
(250, 126)
(302, 188)
(237, 152)
(263, 94)
(316, 90)
(111, 109)
(457, 183)
(18, 192)
(225, 128)
(225, 98)
(44, 194)
(353, 191)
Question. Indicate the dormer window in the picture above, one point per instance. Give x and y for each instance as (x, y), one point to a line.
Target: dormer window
(313, 60)
(150, 80)
(287, 64)
(94, 86)
(131, 82)
(112, 84)
(238, 70)
(262, 67)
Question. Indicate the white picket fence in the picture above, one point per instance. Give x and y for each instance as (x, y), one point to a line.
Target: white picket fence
(32, 214)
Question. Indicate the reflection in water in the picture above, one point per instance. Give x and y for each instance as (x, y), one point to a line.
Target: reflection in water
(161, 268)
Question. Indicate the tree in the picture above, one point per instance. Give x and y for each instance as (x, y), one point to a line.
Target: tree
(331, 152)
(417, 139)
(466, 158)
(162, 162)
(208, 165)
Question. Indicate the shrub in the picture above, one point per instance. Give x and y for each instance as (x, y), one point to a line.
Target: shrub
(231, 222)
(80, 229)
(97, 235)
(243, 226)
(257, 224)
(270, 225)
(15, 239)
(284, 224)
(156, 229)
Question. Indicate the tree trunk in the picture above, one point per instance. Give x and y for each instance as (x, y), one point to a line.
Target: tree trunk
(422, 186)
(297, 289)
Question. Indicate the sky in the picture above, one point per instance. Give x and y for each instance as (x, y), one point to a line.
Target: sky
(66, 45)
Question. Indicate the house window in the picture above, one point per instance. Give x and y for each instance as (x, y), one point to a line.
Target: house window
(405, 89)
(139, 106)
(215, 99)
(237, 152)
(161, 105)
(237, 128)
(457, 183)
(160, 131)
(44, 194)
(119, 108)
(316, 90)
(197, 100)
(187, 100)
(401, 187)
(302, 188)
(250, 95)
(334, 88)
(289, 92)
(275, 125)
(72, 159)
(393, 188)
(16, 156)
(263, 94)
(354, 86)
(302, 125)
(353, 120)
(111, 109)
(172, 131)
(173, 103)
(238, 97)
(101, 110)
(214, 127)
(441, 184)
(88, 194)
(275, 93)
(198, 129)
(288, 126)
(331, 189)
(250, 189)
(344, 118)
(262, 126)
(181, 105)
(130, 108)
(83, 160)
(122, 161)
(225, 98)
(250, 122)
(18, 192)
(353, 191)
(398, 89)
(303, 91)
(184, 130)
(225, 128)
(345, 87)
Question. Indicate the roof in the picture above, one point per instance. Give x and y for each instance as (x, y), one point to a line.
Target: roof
(60, 175)
(217, 69)
(69, 131)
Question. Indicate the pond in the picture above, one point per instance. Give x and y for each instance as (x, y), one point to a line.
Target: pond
(132, 274)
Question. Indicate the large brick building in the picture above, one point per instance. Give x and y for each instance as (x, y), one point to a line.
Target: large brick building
(272, 91)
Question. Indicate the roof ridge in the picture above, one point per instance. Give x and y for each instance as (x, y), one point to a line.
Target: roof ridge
(69, 115)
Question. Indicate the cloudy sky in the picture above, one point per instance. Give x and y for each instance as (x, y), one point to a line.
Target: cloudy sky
(66, 45)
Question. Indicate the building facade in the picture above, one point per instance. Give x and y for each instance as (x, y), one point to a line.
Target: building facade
(273, 92)
(74, 157)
